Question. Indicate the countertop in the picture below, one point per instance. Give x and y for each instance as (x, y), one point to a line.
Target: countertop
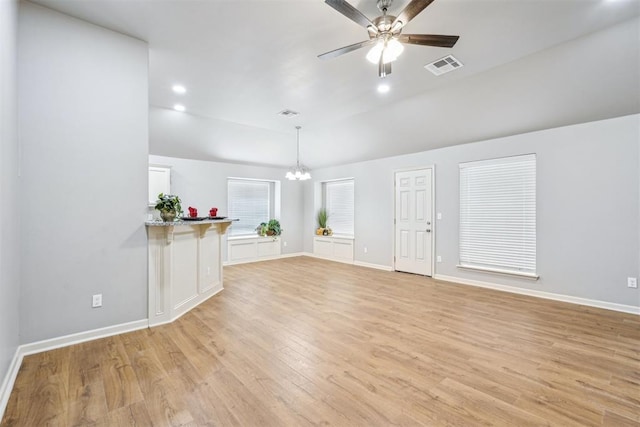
(161, 223)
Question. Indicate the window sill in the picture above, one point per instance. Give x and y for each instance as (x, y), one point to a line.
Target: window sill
(532, 276)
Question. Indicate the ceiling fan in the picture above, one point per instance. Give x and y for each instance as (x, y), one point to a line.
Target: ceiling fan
(385, 33)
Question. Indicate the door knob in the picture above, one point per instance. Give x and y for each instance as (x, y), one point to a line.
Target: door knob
(428, 230)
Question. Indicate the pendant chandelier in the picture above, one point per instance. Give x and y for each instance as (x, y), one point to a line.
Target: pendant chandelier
(298, 172)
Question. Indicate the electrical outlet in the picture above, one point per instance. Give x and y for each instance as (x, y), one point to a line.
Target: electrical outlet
(284, 244)
(632, 282)
(438, 258)
(366, 250)
(97, 301)
(439, 215)
(208, 271)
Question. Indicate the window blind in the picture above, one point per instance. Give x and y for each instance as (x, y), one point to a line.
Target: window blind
(339, 204)
(498, 215)
(248, 201)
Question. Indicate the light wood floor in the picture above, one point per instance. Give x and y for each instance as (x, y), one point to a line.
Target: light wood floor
(300, 341)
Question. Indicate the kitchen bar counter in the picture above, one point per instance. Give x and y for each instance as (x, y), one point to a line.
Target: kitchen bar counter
(185, 265)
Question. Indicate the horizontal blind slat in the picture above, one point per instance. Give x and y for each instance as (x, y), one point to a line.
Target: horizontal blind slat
(498, 213)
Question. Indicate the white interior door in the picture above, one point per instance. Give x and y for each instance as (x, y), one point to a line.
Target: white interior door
(413, 222)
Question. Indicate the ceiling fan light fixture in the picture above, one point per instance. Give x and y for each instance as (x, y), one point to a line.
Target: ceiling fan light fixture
(374, 53)
(390, 51)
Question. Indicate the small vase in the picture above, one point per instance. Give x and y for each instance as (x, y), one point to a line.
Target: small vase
(168, 216)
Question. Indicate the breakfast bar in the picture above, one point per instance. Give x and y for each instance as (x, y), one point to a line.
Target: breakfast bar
(185, 265)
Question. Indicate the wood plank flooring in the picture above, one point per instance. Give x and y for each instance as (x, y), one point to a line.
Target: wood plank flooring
(300, 341)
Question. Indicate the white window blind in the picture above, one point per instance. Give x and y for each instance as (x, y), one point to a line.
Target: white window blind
(339, 206)
(498, 215)
(248, 201)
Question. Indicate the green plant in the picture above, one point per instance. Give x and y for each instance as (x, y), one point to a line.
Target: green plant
(322, 218)
(274, 226)
(168, 203)
(262, 229)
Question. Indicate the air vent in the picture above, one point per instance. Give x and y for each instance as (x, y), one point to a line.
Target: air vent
(444, 65)
(288, 113)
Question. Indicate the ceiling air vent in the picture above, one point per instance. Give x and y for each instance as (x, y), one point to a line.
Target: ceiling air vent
(288, 113)
(444, 65)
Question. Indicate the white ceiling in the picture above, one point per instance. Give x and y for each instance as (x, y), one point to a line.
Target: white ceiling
(529, 65)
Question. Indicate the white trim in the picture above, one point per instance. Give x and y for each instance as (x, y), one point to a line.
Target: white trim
(9, 380)
(291, 255)
(250, 260)
(374, 266)
(499, 271)
(631, 309)
(58, 342)
(330, 259)
(184, 308)
(94, 334)
(335, 236)
(311, 255)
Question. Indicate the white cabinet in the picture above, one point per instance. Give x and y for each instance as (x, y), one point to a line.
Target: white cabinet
(252, 248)
(159, 182)
(335, 248)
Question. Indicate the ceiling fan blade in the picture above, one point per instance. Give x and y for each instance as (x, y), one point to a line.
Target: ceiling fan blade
(413, 8)
(345, 49)
(428, 39)
(350, 12)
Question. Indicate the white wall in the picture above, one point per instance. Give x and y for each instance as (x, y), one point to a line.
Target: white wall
(9, 221)
(588, 207)
(203, 184)
(84, 136)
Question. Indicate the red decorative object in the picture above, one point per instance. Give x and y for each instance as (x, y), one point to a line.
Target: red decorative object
(213, 212)
(193, 212)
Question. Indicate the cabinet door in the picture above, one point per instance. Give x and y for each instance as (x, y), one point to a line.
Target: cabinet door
(159, 182)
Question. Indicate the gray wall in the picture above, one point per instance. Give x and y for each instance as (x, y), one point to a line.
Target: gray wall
(84, 136)
(203, 184)
(9, 221)
(588, 207)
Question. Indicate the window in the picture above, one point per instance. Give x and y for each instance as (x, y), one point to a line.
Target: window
(250, 202)
(498, 215)
(338, 201)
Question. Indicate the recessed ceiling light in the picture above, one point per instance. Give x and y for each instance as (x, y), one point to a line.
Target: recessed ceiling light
(179, 89)
(179, 107)
(383, 88)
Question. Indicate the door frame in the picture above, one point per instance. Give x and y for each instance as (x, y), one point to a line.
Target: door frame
(433, 216)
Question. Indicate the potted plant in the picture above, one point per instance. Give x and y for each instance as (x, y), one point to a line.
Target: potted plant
(322, 229)
(273, 228)
(169, 206)
(262, 229)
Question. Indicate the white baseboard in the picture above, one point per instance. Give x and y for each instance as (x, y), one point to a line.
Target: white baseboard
(309, 254)
(541, 294)
(376, 266)
(9, 380)
(343, 261)
(63, 341)
(226, 263)
(58, 342)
